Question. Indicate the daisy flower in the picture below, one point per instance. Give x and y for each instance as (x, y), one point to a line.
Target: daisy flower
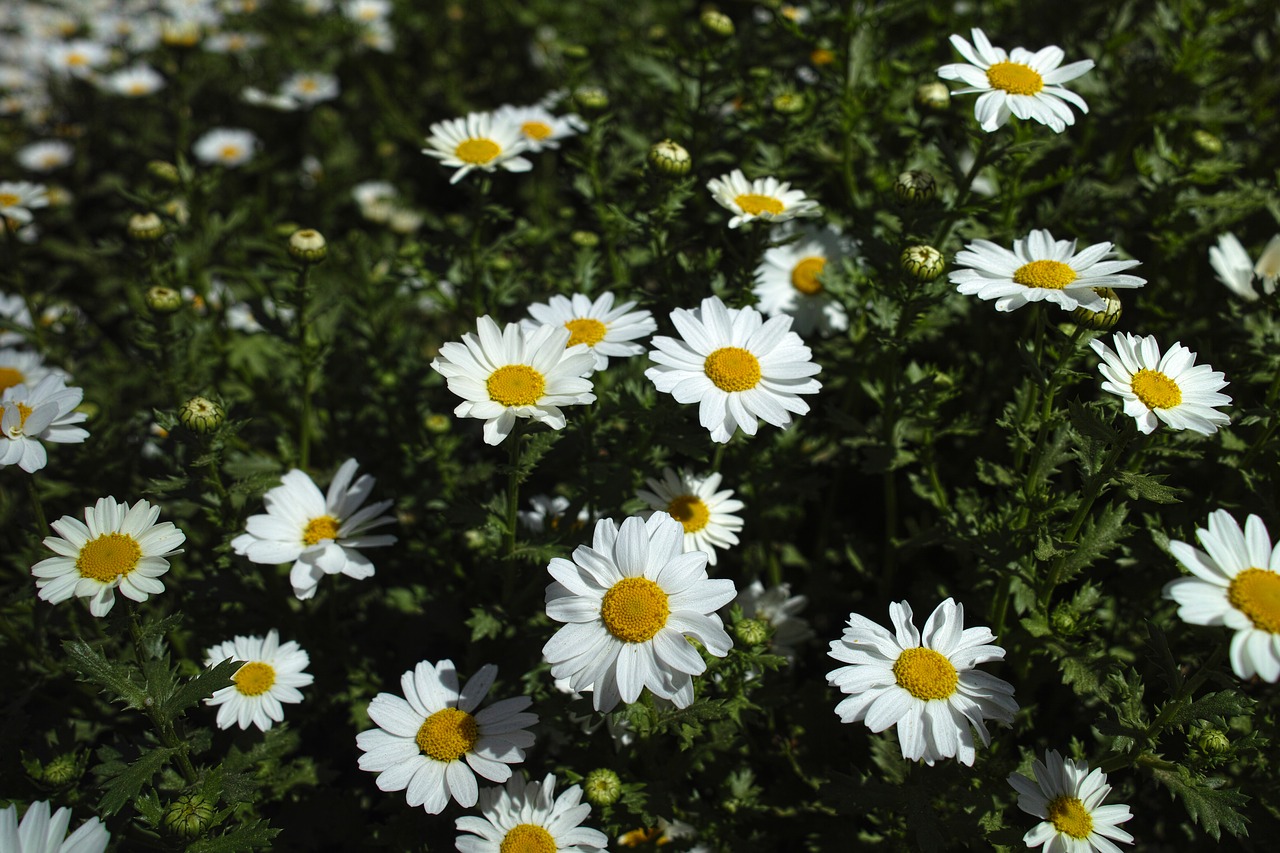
(549, 511)
(224, 146)
(788, 280)
(117, 546)
(478, 141)
(604, 329)
(632, 599)
(538, 127)
(924, 682)
(504, 374)
(1068, 800)
(321, 534)
(765, 198)
(1236, 584)
(528, 816)
(1020, 83)
(706, 514)
(270, 678)
(31, 415)
(429, 743)
(19, 198)
(45, 155)
(1167, 388)
(1041, 269)
(18, 367)
(42, 832)
(777, 606)
(1236, 270)
(736, 366)
(78, 57)
(137, 81)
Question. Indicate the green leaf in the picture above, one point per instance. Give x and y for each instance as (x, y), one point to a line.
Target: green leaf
(1213, 707)
(1206, 801)
(249, 836)
(117, 678)
(200, 687)
(121, 782)
(1101, 534)
(1087, 422)
(1148, 487)
(483, 625)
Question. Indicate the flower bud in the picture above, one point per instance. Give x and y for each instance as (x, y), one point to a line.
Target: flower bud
(923, 263)
(915, 187)
(188, 816)
(1206, 141)
(145, 227)
(438, 423)
(752, 632)
(63, 770)
(1063, 621)
(602, 787)
(788, 103)
(1104, 320)
(201, 415)
(1213, 741)
(576, 51)
(591, 99)
(163, 170)
(307, 246)
(716, 23)
(585, 239)
(933, 96)
(163, 300)
(670, 158)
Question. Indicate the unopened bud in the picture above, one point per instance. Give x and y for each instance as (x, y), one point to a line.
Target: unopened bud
(752, 632)
(923, 263)
(933, 96)
(585, 239)
(602, 787)
(1064, 621)
(163, 170)
(788, 103)
(591, 99)
(915, 187)
(163, 300)
(307, 246)
(201, 415)
(1206, 141)
(188, 816)
(670, 158)
(145, 227)
(1104, 320)
(576, 51)
(1213, 741)
(716, 23)
(438, 423)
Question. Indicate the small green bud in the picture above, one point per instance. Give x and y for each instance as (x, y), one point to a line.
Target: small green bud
(201, 415)
(591, 99)
(933, 96)
(576, 51)
(188, 816)
(752, 632)
(923, 263)
(438, 423)
(145, 227)
(716, 23)
(63, 770)
(1206, 141)
(163, 170)
(915, 187)
(602, 787)
(1213, 741)
(585, 239)
(163, 300)
(670, 158)
(1104, 320)
(500, 263)
(308, 246)
(1063, 621)
(788, 103)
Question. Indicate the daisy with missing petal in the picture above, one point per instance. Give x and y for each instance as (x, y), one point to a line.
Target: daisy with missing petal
(431, 743)
(705, 513)
(1020, 83)
(539, 127)
(736, 366)
(606, 330)
(924, 682)
(789, 280)
(321, 534)
(479, 141)
(42, 832)
(765, 198)
(1067, 798)
(631, 600)
(1041, 269)
(32, 415)
(269, 679)
(1171, 388)
(117, 545)
(528, 817)
(1236, 584)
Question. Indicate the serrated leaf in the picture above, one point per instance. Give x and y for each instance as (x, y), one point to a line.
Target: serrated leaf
(1100, 535)
(1206, 801)
(1148, 487)
(482, 625)
(119, 788)
(248, 836)
(117, 678)
(1087, 422)
(1213, 707)
(200, 687)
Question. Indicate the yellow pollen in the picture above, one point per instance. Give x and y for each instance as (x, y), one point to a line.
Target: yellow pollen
(634, 609)
(822, 56)
(10, 376)
(804, 277)
(1050, 275)
(538, 130)
(51, 160)
(1015, 78)
(308, 85)
(229, 152)
(108, 557)
(9, 200)
(448, 735)
(527, 838)
(732, 369)
(254, 679)
(477, 151)
(321, 527)
(925, 674)
(636, 837)
(24, 411)
(137, 88)
(755, 205)
(516, 385)
(77, 59)
(585, 330)
(690, 511)
(1256, 594)
(1155, 390)
(1069, 816)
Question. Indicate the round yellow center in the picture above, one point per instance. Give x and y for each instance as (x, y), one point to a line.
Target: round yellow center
(634, 609)
(448, 735)
(1050, 275)
(822, 56)
(690, 511)
(925, 674)
(527, 838)
(538, 130)
(1069, 816)
(804, 277)
(254, 679)
(229, 152)
(308, 85)
(10, 376)
(477, 151)
(1156, 390)
(9, 200)
(77, 59)
(755, 205)
(1256, 594)
(585, 330)
(1015, 78)
(50, 160)
(732, 369)
(321, 527)
(137, 88)
(516, 385)
(108, 557)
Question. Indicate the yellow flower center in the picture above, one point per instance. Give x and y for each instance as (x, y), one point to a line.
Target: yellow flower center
(516, 385)
(77, 59)
(527, 838)
(254, 679)
(754, 205)
(448, 735)
(477, 151)
(634, 609)
(1156, 390)
(690, 511)
(1015, 78)
(804, 276)
(50, 160)
(10, 376)
(585, 330)
(538, 130)
(636, 837)
(1050, 275)
(24, 411)
(308, 85)
(1256, 594)
(1069, 816)
(229, 152)
(108, 557)
(925, 674)
(822, 56)
(732, 369)
(321, 527)
(9, 200)
(137, 88)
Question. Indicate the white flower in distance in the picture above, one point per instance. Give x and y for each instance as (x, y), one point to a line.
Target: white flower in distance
(705, 513)
(135, 82)
(19, 198)
(548, 512)
(42, 832)
(321, 534)
(764, 198)
(1236, 270)
(1040, 268)
(777, 606)
(45, 155)
(529, 817)
(478, 141)
(736, 366)
(631, 599)
(117, 545)
(432, 742)
(539, 127)
(308, 88)
(1067, 798)
(924, 682)
(1019, 83)
(224, 146)
(269, 679)
(789, 280)
(1171, 388)
(23, 368)
(504, 374)
(606, 330)
(31, 415)
(1237, 585)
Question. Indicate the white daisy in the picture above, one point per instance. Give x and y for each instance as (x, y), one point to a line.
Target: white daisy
(270, 678)
(428, 743)
(137, 81)
(1068, 800)
(18, 367)
(631, 600)
(706, 514)
(1236, 584)
(117, 545)
(764, 198)
(321, 534)
(30, 415)
(924, 682)
(308, 88)
(777, 606)
(530, 817)
(45, 155)
(1236, 270)
(604, 329)
(1168, 388)
(233, 42)
(549, 512)
(13, 308)
(1268, 266)
(225, 146)
(19, 198)
(78, 57)
(478, 141)
(539, 127)
(736, 366)
(788, 280)
(504, 374)
(1041, 269)
(42, 832)
(1020, 83)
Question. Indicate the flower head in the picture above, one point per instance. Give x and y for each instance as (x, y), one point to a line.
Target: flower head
(528, 816)
(789, 280)
(539, 128)
(135, 82)
(606, 330)
(45, 155)
(31, 415)
(1067, 798)
(42, 832)
(269, 679)
(479, 141)
(224, 146)
(308, 88)
(1235, 269)
(1171, 388)
(19, 198)
(18, 367)
(765, 198)
(705, 513)
(777, 606)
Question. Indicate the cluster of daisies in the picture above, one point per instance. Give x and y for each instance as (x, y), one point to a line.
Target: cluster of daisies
(489, 141)
(36, 406)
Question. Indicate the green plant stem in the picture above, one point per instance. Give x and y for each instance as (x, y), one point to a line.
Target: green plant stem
(475, 275)
(164, 728)
(37, 509)
(855, 59)
(301, 292)
(964, 189)
(516, 439)
(1261, 442)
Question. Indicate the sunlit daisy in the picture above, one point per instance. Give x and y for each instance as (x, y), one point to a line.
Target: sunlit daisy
(224, 146)
(605, 330)
(269, 679)
(478, 141)
(924, 682)
(136, 82)
(1067, 798)
(736, 366)
(764, 198)
(530, 818)
(777, 606)
(308, 88)
(1171, 388)
(42, 832)
(631, 600)
(1020, 83)
(706, 514)
(429, 743)
(30, 415)
(19, 198)
(789, 280)
(45, 155)
(117, 545)
(1236, 270)
(539, 127)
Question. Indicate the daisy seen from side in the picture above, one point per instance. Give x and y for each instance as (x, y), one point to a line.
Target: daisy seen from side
(1067, 797)
(478, 141)
(606, 330)
(43, 831)
(137, 81)
(705, 512)
(767, 199)
(1170, 388)
(1235, 269)
(32, 415)
(269, 680)
(528, 817)
(789, 280)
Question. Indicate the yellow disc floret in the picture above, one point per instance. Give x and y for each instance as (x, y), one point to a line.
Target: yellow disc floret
(754, 205)
(527, 838)
(1050, 275)
(1069, 816)
(10, 376)
(108, 557)
(925, 674)
(804, 276)
(1015, 78)
(229, 152)
(732, 369)
(516, 385)
(634, 609)
(690, 511)
(254, 679)
(585, 330)
(1156, 390)
(1256, 594)
(9, 200)
(448, 735)
(477, 151)
(323, 527)
(538, 130)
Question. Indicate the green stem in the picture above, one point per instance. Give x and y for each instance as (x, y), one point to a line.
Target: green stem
(164, 728)
(963, 190)
(301, 292)
(516, 439)
(37, 509)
